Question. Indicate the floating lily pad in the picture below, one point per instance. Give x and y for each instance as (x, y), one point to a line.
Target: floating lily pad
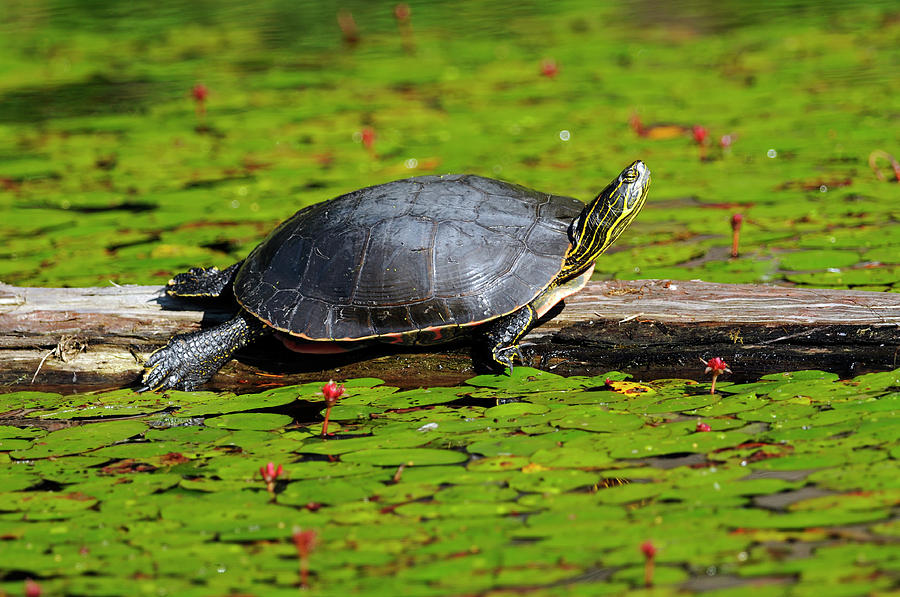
(79, 439)
(404, 456)
(599, 420)
(819, 259)
(526, 379)
(257, 421)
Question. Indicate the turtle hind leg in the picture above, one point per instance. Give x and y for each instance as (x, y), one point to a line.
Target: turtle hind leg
(203, 282)
(501, 337)
(189, 360)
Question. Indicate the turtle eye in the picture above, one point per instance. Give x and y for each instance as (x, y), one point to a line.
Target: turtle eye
(630, 176)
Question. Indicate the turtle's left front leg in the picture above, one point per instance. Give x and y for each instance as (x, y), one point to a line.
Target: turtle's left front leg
(502, 336)
(189, 360)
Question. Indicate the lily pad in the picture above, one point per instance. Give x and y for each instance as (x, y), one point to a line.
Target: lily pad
(80, 439)
(819, 259)
(257, 421)
(404, 456)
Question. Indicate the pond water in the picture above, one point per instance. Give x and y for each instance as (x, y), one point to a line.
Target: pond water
(139, 138)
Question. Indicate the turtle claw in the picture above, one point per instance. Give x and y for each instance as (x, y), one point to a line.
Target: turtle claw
(172, 367)
(504, 356)
(202, 282)
(190, 360)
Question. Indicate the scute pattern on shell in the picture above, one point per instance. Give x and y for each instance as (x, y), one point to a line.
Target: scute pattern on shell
(425, 252)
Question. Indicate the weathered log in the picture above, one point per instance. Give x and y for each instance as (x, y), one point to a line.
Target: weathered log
(75, 339)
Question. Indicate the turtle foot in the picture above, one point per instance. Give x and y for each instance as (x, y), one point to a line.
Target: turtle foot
(502, 337)
(202, 281)
(505, 358)
(506, 355)
(190, 360)
(176, 366)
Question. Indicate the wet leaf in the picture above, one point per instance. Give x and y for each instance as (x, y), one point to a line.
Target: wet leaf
(80, 439)
(256, 421)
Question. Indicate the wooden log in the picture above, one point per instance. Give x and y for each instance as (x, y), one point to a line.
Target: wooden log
(74, 339)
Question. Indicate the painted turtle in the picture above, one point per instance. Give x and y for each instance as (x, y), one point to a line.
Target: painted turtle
(415, 262)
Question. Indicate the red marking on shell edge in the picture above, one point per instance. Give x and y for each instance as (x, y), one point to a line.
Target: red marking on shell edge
(310, 347)
(394, 338)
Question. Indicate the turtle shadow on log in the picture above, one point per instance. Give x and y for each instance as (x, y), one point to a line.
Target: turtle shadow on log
(268, 362)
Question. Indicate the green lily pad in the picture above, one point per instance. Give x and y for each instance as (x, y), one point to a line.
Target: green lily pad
(519, 445)
(819, 259)
(598, 420)
(256, 421)
(418, 398)
(405, 456)
(850, 277)
(408, 439)
(79, 439)
(526, 379)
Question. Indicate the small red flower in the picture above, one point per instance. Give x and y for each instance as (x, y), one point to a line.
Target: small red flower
(368, 138)
(736, 221)
(549, 68)
(349, 30)
(701, 426)
(270, 474)
(200, 92)
(402, 12)
(305, 542)
(636, 125)
(32, 589)
(649, 551)
(726, 141)
(700, 134)
(332, 391)
(717, 366)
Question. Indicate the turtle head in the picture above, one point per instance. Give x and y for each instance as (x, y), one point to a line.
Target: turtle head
(603, 219)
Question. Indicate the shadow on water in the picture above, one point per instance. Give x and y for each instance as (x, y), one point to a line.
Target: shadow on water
(99, 95)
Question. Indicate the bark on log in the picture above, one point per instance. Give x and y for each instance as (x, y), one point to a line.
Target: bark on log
(97, 337)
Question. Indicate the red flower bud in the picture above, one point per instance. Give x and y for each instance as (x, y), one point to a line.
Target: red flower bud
(648, 549)
(549, 68)
(701, 426)
(270, 473)
(200, 92)
(332, 391)
(304, 541)
(402, 12)
(368, 137)
(716, 366)
(32, 589)
(700, 134)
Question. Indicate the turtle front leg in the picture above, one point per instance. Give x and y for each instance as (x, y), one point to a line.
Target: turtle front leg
(189, 360)
(502, 336)
(202, 281)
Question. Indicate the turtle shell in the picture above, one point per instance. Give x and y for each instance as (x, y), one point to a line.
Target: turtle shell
(422, 253)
